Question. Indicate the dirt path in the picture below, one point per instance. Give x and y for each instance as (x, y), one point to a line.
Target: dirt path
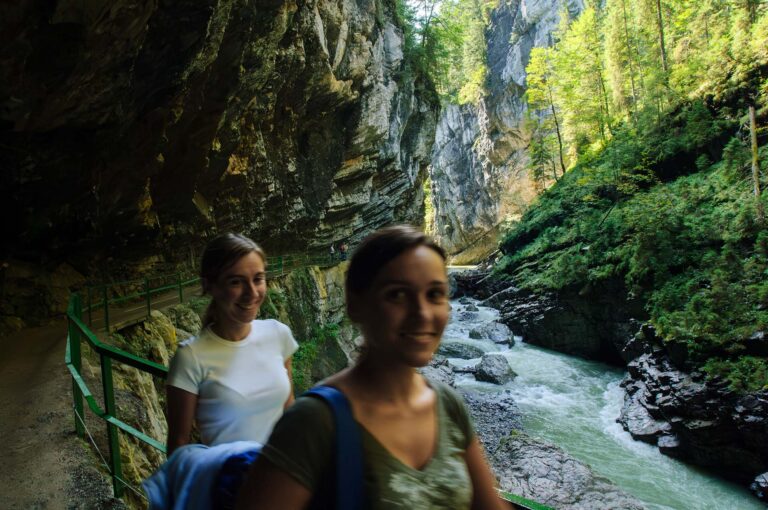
(44, 465)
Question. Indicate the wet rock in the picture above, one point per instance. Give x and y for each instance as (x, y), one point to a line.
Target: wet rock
(494, 415)
(471, 308)
(695, 419)
(760, 486)
(479, 284)
(637, 420)
(757, 344)
(542, 472)
(669, 445)
(439, 370)
(465, 316)
(494, 331)
(460, 350)
(596, 323)
(184, 318)
(494, 368)
(640, 338)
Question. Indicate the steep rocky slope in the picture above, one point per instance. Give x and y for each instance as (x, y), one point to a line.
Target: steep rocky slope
(133, 128)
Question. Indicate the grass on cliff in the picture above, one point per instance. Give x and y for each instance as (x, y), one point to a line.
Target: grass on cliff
(304, 359)
(669, 210)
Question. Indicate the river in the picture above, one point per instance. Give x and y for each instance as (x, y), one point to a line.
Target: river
(574, 404)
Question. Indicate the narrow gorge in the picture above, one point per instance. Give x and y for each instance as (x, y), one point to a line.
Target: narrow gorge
(603, 174)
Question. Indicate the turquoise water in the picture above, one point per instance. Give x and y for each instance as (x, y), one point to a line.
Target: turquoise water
(574, 403)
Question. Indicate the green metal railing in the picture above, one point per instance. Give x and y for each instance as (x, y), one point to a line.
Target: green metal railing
(142, 290)
(78, 330)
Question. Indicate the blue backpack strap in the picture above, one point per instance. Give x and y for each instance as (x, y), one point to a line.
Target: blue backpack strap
(349, 452)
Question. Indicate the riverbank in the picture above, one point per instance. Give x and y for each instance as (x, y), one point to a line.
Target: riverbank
(695, 419)
(569, 449)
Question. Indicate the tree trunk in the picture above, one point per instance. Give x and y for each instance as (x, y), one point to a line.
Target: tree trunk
(661, 37)
(755, 164)
(629, 59)
(557, 129)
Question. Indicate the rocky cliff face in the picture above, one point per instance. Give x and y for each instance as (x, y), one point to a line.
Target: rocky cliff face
(129, 128)
(479, 157)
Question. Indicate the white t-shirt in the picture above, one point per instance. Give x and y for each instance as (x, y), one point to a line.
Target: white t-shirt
(241, 386)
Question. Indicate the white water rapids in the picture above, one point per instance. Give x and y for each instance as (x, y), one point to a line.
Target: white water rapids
(574, 404)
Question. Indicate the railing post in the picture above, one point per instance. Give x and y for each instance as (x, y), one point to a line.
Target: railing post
(106, 310)
(181, 289)
(90, 305)
(149, 297)
(76, 359)
(115, 467)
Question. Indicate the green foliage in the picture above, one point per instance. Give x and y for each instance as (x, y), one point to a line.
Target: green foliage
(198, 304)
(274, 303)
(748, 373)
(608, 72)
(305, 357)
(736, 157)
(445, 40)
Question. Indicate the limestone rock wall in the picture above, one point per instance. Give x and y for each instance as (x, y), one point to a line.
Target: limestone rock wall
(479, 156)
(129, 128)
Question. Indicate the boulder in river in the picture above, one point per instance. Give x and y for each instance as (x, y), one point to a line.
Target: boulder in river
(494, 368)
(494, 331)
(760, 486)
(452, 349)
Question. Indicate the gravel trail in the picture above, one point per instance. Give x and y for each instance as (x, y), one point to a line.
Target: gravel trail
(44, 465)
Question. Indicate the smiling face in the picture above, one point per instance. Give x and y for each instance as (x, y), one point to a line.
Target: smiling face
(403, 313)
(238, 292)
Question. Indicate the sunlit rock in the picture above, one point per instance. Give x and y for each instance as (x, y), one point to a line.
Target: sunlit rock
(494, 368)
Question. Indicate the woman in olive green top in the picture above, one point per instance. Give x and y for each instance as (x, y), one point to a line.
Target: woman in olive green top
(420, 451)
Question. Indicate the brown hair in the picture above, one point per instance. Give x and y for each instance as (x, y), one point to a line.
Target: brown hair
(221, 253)
(378, 249)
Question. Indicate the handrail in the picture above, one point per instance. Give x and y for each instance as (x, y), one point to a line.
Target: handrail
(276, 266)
(521, 502)
(98, 411)
(76, 330)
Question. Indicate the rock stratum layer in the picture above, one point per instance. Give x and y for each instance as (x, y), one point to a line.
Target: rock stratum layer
(129, 128)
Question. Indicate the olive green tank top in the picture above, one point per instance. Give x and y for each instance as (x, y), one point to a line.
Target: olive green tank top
(302, 446)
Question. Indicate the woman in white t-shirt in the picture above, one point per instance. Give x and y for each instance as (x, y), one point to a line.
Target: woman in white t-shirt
(234, 377)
